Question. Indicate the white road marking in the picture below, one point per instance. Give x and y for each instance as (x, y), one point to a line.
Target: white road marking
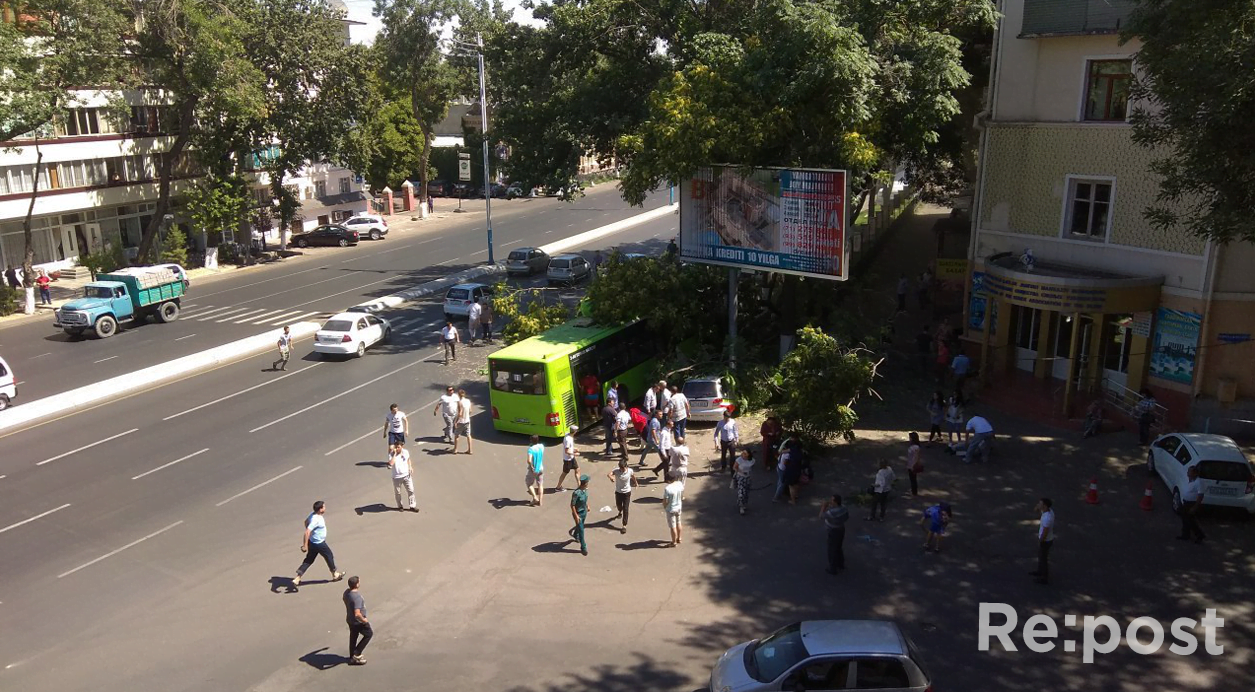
(111, 553)
(429, 325)
(549, 231)
(376, 431)
(135, 478)
(257, 283)
(185, 337)
(279, 318)
(204, 318)
(103, 360)
(243, 315)
(259, 485)
(209, 311)
(479, 252)
(76, 451)
(19, 384)
(300, 317)
(402, 323)
(258, 317)
(242, 391)
(357, 288)
(512, 242)
(41, 355)
(37, 516)
(337, 396)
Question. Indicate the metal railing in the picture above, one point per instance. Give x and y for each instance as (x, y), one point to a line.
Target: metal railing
(1120, 398)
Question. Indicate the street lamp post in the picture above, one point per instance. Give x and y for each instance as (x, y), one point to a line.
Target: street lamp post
(478, 49)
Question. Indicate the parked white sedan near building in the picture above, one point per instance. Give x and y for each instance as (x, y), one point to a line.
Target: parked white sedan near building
(351, 333)
(1227, 477)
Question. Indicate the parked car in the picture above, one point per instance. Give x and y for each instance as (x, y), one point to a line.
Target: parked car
(372, 226)
(824, 655)
(499, 190)
(351, 333)
(708, 399)
(526, 261)
(436, 188)
(514, 190)
(333, 234)
(458, 299)
(8, 385)
(1228, 478)
(567, 269)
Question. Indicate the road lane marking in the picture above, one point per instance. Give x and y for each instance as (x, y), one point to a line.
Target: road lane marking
(257, 283)
(111, 553)
(41, 355)
(185, 337)
(37, 516)
(205, 318)
(259, 485)
(429, 325)
(337, 396)
(279, 318)
(135, 478)
(254, 312)
(76, 451)
(103, 360)
(479, 252)
(376, 431)
(357, 288)
(271, 313)
(207, 312)
(242, 391)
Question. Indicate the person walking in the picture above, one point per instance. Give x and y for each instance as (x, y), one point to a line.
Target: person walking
(680, 461)
(935, 520)
(10, 275)
(664, 397)
(835, 515)
(942, 361)
(396, 425)
(1045, 539)
(652, 438)
(954, 418)
(570, 459)
(960, 366)
(624, 480)
(448, 408)
(771, 432)
(473, 314)
(1144, 412)
(45, 292)
(1191, 500)
(536, 471)
(402, 475)
(672, 504)
(314, 543)
(609, 418)
(914, 462)
(449, 337)
(666, 440)
(651, 400)
(285, 349)
(741, 468)
(727, 437)
(936, 409)
(680, 410)
(360, 632)
(622, 421)
(904, 287)
(579, 512)
(485, 319)
(880, 490)
(462, 422)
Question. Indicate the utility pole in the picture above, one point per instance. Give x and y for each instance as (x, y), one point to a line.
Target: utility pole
(734, 277)
(483, 128)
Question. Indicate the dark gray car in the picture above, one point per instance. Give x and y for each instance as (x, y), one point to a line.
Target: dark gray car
(526, 261)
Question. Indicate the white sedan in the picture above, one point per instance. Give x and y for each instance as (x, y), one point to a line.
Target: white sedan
(350, 333)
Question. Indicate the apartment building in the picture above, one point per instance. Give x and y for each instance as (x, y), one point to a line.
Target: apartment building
(1070, 284)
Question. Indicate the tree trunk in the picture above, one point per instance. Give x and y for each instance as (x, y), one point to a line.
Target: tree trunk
(187, 112)
(28, 257)
(424, 158)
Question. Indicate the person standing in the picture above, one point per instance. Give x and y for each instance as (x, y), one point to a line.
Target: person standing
(360, 632)
(314, 543)
(664, 397)
(285, 350)
(1045, 539)
(771, 432)
(680, 461)
(954, 418)
(396, 425)
(960, 366)
(485, 319)
(652, 438)
(924, 348)
(741, 468)
(462, 422)
(651, 400)
(624, 480)
(680, 410)
(943, 361)
(473, 314)
(672, 503)
(45, 292)
(935, 520)
(835, 515)
(536, 471)
(402, 475)
(666, 440)
(449, 337)
(904, 286)
(10, 275)
(726, 439)
(1191, 500)
(1144, 411)
(612, 394)
(936, 409)
(448, 408)
(880, 490)
(622, 421)
(592, 394)
(914, 462)
(570, 462)
(925, 288)
(579, 512)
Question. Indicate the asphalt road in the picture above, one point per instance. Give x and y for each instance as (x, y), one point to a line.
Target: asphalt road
(310, 287)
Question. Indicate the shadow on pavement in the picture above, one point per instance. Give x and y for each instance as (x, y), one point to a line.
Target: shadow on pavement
(503, 502)
(322, 661)
(556, 547)
(643, 674)
(372, 509)
(642, 545)
(282, 585)
(376, 464)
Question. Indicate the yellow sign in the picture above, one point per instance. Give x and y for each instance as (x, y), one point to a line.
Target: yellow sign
(952, 269)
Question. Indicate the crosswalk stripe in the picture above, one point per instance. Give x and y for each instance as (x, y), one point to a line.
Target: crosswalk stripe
(242, 315)
(188, 310)
(278, 318)
(207, 312)
(204, 318)
(403, 323)
(254, 318)
(322, 316)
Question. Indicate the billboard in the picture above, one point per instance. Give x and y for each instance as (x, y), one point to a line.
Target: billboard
(774, 219)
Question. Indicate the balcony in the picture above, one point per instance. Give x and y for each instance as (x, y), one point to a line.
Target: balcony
(1044, 18)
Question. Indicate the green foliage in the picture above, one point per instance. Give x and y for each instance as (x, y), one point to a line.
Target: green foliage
(525, 312)
(818, 383)
(398, 143)
(12, 300)
(174, 246)
(677, 301)
(1195, 75)
(110, 258)
(214, 203)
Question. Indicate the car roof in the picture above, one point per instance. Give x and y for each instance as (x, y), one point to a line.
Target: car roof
(568, 255)
(524, 249)
(466, 286)
(1214, 447)
(345, 316)
(853, 637)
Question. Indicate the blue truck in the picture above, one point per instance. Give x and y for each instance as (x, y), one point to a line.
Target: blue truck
(129, 294)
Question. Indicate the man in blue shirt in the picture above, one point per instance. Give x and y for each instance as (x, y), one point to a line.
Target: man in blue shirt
(536, 471)
(959, 366)
(314, 543)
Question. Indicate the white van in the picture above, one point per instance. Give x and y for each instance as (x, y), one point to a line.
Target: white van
(8, 385)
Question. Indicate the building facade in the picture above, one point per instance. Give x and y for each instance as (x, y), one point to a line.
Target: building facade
(1069, 281)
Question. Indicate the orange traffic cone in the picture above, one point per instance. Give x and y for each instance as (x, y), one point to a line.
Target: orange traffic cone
(1148, 497)
(1092, 496)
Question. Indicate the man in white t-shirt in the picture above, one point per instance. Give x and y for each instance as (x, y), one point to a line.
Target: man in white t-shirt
(402, 475)
(679, 456)
(679, 409)
(285, 350)
(624, 480)
(396, 425)
(449, 337)
(462, 422)
(1045, 539)
(980, 435)
(570, 462)
(622, 421)
(672, 503)
(448, 407)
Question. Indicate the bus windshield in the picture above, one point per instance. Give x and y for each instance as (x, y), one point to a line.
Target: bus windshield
(518, 377)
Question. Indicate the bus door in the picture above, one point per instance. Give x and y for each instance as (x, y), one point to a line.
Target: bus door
(586, 381)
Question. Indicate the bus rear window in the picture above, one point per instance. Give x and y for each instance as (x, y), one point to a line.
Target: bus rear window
(518, 377)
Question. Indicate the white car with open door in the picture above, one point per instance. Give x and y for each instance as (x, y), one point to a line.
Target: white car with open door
(351, 333)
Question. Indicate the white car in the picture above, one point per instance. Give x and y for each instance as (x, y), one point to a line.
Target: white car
(179, 273)
(458, 299)
(351, 333)
(8, 385)
(371, 226)
(1228, 478)
(708, 399)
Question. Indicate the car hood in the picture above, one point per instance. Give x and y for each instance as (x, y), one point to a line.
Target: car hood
(86, 304)
(729, 673)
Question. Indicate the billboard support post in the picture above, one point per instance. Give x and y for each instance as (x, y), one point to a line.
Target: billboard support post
(734, 278)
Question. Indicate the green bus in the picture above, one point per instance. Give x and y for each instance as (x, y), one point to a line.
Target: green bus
(538, 385)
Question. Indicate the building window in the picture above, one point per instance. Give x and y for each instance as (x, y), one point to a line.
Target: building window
(346, 185)
(320, 188)
(1107, 90)
(1088, 212)
(81, 121)
(309, 193)
(262, 196)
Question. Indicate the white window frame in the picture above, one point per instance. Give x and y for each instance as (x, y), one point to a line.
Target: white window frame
(1084, 92)
(346, 185)
(320, 188)
(1065, 218)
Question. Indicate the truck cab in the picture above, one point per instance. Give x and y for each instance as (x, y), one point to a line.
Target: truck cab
(100, 298)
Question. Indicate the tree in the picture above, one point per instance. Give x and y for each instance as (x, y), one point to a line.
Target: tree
(525, 312)
(215, 203)
(677, 301)
(398, 145)
(174, 246)
(817, 385)
(1194, 105)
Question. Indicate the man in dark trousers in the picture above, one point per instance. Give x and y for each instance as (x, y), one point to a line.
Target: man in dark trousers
(360, 632)
(314, 543)
(1191, 500)
(1045, 539)
(579, 512)
(835, 516)
(609, 414)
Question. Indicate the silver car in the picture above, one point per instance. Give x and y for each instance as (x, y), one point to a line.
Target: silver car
(708, 399)
(526, 261)
(824, 655)
(568, 269)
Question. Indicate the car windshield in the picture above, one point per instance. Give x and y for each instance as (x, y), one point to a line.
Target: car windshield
(97, 292)
(1225, 471)
(769, 658)
(700, 389)
(457, 294)
(338, 326)
(518, 255)
(560, 264)
(518, 377)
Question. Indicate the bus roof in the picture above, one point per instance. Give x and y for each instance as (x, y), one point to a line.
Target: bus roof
(558, 342)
